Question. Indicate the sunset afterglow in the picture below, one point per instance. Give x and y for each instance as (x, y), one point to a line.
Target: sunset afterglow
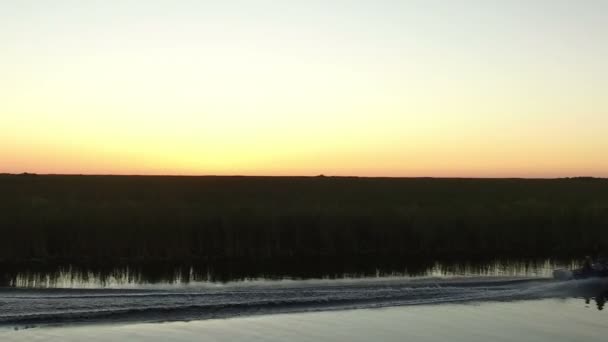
(366, 88)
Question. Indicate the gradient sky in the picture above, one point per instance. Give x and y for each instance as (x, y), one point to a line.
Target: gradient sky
(368, 88)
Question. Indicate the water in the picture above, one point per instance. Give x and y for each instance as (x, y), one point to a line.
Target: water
(160, 274)
(504, 311)
(125, 307)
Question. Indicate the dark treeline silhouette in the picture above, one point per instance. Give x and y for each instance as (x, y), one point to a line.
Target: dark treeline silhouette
(129, 218)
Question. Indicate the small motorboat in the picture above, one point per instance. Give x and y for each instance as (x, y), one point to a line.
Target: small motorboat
(595, 270)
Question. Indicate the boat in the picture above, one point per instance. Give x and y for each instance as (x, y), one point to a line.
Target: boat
(595, 270)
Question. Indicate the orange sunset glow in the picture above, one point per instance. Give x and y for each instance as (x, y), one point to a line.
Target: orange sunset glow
(304, 88)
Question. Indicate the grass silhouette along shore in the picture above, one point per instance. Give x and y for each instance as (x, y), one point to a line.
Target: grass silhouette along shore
(130, 218)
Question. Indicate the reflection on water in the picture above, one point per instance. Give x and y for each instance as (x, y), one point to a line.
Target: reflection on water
(136, 275)
(600, 299)
(544, 320)
(41, 307)
(122, 295)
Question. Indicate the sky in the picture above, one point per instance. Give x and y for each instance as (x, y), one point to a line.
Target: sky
(364, 88)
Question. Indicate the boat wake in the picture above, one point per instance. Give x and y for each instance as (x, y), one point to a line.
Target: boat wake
(27, 307)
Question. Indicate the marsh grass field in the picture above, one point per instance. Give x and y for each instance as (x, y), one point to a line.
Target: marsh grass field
(303, 226)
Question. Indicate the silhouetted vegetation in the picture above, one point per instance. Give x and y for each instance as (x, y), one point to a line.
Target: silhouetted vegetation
(144, 272)
(112, 219)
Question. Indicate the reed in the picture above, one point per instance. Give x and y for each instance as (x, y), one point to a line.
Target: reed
(131, 218)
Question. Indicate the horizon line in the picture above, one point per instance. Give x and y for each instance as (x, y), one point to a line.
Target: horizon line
(289, 176)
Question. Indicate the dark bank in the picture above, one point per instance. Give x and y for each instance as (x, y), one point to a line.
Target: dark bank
(267, 224)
